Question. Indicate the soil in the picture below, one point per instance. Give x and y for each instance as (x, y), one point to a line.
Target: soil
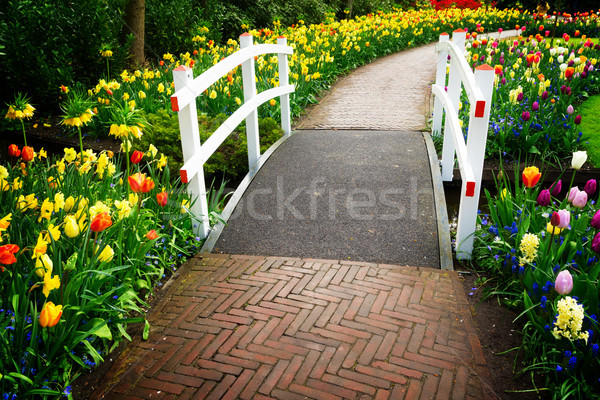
(498, 333)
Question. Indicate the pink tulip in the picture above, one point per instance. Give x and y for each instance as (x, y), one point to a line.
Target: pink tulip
(564, 282)
(580, 199)
(561, 219)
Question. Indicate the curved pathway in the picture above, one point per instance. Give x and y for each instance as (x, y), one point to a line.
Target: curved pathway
(391, 93)
(258, 327)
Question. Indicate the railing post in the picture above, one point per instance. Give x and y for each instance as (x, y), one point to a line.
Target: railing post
(284, 100)
(190, 145)
(249, 82)
(476, 141)
(454, 89)
(440, 80)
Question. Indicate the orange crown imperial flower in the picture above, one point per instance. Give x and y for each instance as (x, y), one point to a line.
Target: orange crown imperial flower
(531, 176)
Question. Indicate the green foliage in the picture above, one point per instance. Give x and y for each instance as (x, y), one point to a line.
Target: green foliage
(229, 161)
(590, 113)
(49, 43)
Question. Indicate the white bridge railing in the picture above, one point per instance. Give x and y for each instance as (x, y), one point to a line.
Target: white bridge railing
(470, 155)
(183, 100)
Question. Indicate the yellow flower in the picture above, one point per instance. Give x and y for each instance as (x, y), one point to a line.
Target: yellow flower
(152, 151)
(17, 184)
(185, 205)
(46, 210)
(3, 172)
(124, 208)
(40, 248)
(160, 88)
(162, 162)
(213, 94)
(52, 234)
(71, 227)
(125, 96)
(141, 94)
(43, 265)
(106, 53)
(69, 203)
(133, 198)
(238, 101)
(98, 208)
(553, 230)
(59, 202)
(26, 202)
(50, 283)
(5, 222)
(529, 245)
(569, 320)
(70, 154)
(106, 255)
(42, 154)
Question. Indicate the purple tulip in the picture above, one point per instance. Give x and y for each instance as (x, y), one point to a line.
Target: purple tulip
(556, 188)
(570, 109)
(526, 116)
(503, 81)
(564, 282)
(563, 89)
(596, 243)
(590, 187)
(577, 119)
(595, 222)
(535, 106)
(568, 91)
(520, 97)
(544, 95)
(572, 194)
(544, 198)
(580, 199)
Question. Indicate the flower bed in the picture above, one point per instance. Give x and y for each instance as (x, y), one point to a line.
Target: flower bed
(541, 245)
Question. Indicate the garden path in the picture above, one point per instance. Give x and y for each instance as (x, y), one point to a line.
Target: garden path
(350, 326)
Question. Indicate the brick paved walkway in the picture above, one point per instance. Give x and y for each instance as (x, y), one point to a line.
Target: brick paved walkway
(282, 328)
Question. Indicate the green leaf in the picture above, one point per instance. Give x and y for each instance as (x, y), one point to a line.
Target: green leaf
(71, 262)
(100, 329)
(20, 376)
(146, 332)
(534, 150)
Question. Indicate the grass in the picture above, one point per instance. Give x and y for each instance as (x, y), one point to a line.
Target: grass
(590, 113)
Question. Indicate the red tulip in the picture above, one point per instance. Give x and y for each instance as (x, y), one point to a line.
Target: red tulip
(101, 222)
(151, 235)
(136, 181)
(147, 185)
(162, 198)
(27, 153)
(531, 176)
(137, 156)
(13, 150)
(7, 255)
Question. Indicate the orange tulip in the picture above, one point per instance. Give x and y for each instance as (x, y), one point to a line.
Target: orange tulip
(162, 198)
(147, 185)
(531, 176)
(101, 222)
(27, 153)
(136, 181)
(50, 315)
(13, 150)
(7, 253)
(137, 156)
(151, 235)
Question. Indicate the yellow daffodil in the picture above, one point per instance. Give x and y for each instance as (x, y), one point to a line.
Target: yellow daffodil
(43, 265)
(50, 283)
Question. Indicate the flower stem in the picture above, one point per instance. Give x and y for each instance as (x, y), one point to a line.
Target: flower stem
(80, 145)
(24, 136)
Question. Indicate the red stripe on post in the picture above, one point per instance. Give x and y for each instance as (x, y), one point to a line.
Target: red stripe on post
(181, 68)
(184, 177)
(480, 108)
(245, 34)
(444, 34)
(459, 30)
(174, 103)
(470, 189)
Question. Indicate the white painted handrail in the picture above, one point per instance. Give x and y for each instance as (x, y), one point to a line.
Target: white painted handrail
(470, 155)
(183, 101)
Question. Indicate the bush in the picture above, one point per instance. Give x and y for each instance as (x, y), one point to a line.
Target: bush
(230, 161)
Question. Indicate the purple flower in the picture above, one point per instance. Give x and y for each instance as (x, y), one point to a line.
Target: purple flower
(577, 119)
(520, 97)
(570, 109)
(556, 188)
(544, 198)
(526, 116)
(535, 106)
(590, 187)
(544, 95)
(563, 89)
(595, 222)
(564, 282)
(596, 243)
(580, 199)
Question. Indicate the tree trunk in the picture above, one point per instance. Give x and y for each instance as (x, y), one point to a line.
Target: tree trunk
(349, 4)
(135, 24)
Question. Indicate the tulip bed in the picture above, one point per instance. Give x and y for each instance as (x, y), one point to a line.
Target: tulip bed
(83, 240)
(537, 89)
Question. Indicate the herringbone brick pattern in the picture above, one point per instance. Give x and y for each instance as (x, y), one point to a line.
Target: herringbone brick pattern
(278, 328)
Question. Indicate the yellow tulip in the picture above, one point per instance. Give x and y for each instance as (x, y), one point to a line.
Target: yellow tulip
(50, 315)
